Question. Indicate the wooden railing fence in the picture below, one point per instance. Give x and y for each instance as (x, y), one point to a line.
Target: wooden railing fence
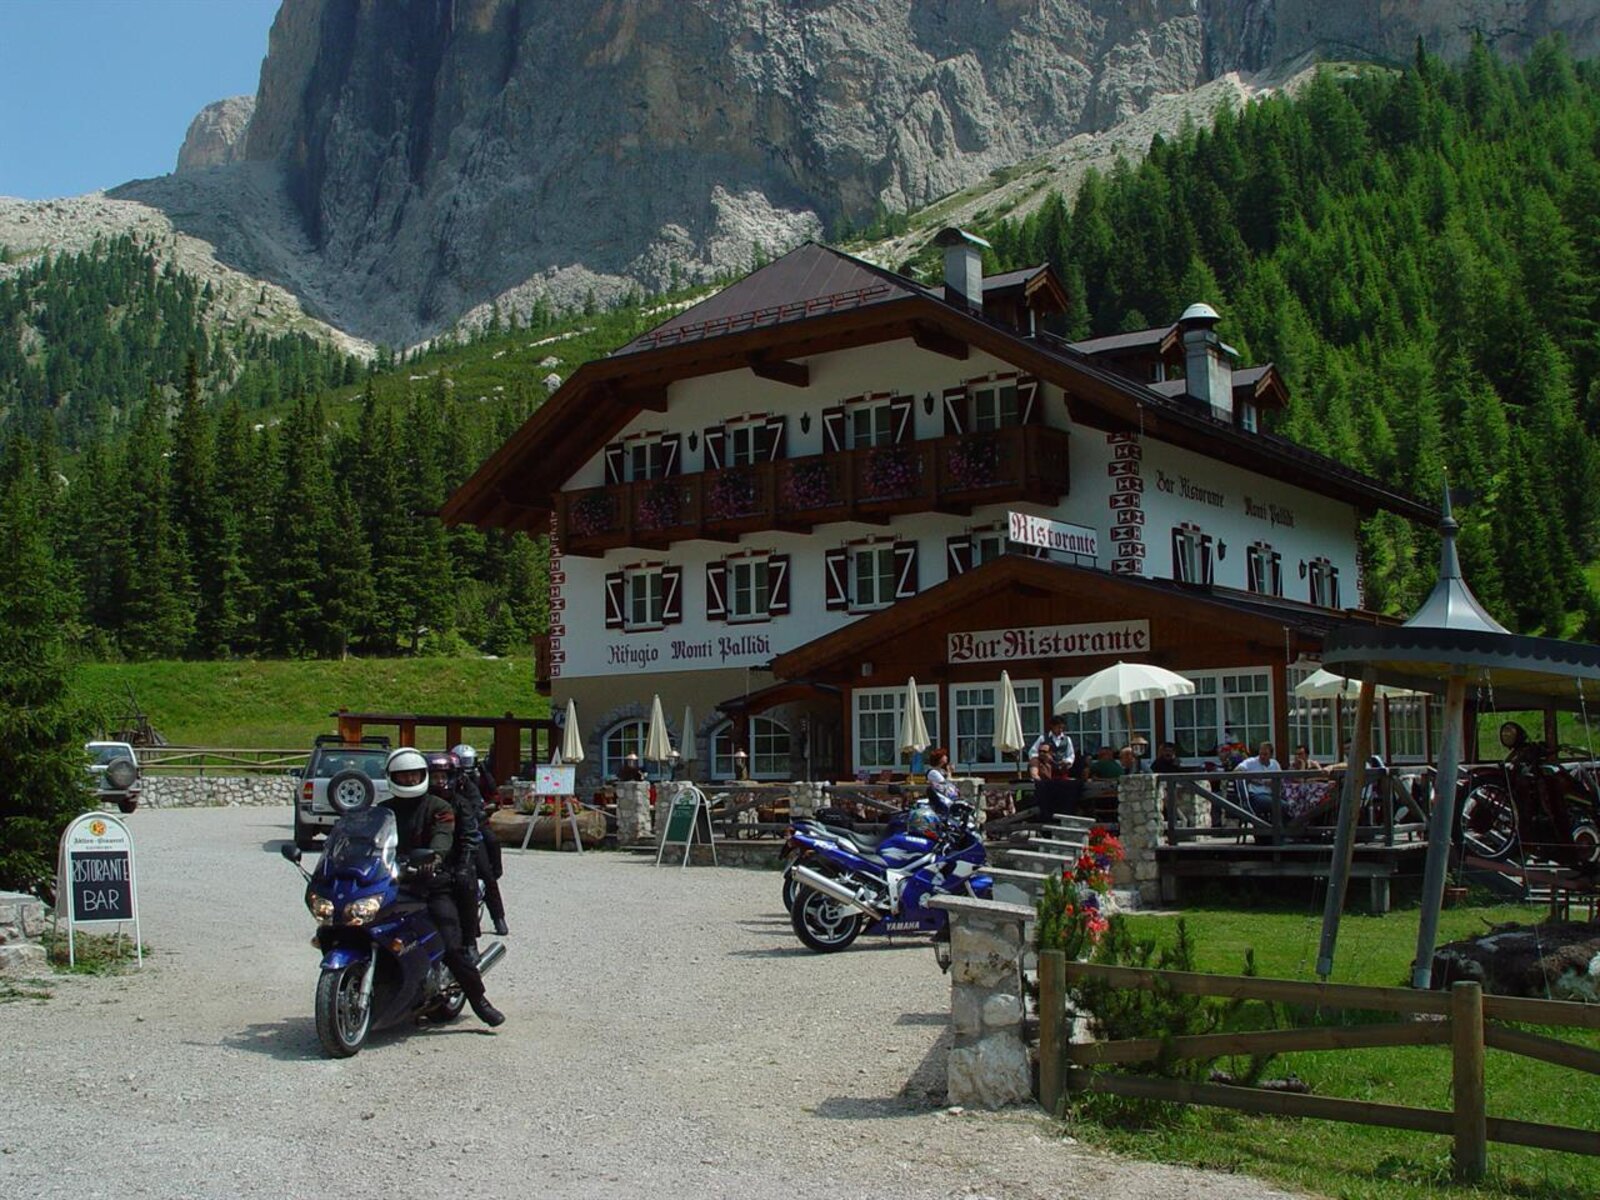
(198, 760)
(1464, 1018)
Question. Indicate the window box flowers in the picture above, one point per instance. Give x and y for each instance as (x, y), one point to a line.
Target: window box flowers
(659, 506)
(808, 485)
(592, 513)
(974, 462)
(892, 472)
(731, 495)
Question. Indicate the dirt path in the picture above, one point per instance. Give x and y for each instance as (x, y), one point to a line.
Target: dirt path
(667, 1035)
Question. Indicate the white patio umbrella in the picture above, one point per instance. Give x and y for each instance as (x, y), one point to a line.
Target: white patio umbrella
(1123, 684)
(1008, 721)
(657, 746)
(571, 748)
(686, 746)
(1323, 684)
(913, 729)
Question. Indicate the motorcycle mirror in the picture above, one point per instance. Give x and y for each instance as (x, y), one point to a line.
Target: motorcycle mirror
(290, 852)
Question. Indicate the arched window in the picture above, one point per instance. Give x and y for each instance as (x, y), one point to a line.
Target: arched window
(768, 750)
(621, 740)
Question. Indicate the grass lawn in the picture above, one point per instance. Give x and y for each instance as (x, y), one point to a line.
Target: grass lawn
(1359, 1161)
(284, 704)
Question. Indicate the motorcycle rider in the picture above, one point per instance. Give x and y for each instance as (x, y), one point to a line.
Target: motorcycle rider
(462, 861)
(476, 785)
(427, 821)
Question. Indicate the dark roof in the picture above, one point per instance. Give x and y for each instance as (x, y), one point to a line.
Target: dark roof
(1010, 279)
(1126, 343)
(809, 281)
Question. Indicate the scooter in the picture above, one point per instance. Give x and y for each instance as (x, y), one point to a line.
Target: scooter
(382, 958)
(882, 891)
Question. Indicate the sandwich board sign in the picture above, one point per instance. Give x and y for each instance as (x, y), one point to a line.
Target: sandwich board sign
(96, 877)
(687, 816)
(561, 784)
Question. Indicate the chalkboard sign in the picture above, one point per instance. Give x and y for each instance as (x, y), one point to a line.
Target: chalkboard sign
(96, 876)
(687, 817)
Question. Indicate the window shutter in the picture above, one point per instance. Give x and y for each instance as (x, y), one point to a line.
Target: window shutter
(1179, 570)
(1205, 558)
(671, 458)
(716, 591)
(776, 437)
(714, 437)
(614, 470)
(900, 419)
(955, 411)
(1029, 410)
(778, 585)
(958, 555)
(671, 595)
(1277, 573)
(905, 562)
(1333, 588)
(833, 438)
(1253, 565)
(614, 600)
(836, 568)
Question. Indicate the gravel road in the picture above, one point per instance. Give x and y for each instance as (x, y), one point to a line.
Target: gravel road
(666, 1035)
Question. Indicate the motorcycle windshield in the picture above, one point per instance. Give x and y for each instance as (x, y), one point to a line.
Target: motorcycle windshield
(361, 838)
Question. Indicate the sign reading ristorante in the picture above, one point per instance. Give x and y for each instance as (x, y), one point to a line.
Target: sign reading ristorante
(1049, 641)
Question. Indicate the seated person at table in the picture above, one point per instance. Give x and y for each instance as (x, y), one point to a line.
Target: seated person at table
(1301, 760)
(1128, 759)
(1105, 765)
(1166, 760)
(1260, 792)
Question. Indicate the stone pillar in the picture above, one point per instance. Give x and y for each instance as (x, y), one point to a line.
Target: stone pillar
(1139, 821)
(806, 798)
(988, 1066)
(22, 919)
(634, 822)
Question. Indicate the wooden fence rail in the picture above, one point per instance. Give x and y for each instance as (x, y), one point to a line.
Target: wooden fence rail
(225, 761)
(1460, 1018)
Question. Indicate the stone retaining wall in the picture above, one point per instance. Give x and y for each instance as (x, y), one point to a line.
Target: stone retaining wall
(217, 791)
(22, 920)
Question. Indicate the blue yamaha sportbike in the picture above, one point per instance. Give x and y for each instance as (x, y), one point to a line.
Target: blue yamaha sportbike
(847, 886)
(382, 958)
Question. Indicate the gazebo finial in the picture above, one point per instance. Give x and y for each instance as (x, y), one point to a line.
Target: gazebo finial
(1449, 560)
(1451, 604)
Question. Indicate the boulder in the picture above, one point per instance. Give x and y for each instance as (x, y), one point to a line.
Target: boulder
(1558, 960)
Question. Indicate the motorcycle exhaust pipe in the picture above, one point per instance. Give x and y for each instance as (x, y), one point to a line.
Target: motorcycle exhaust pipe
(486, 961)
(832, 887)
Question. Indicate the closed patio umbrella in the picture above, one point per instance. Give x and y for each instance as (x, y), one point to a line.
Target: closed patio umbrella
(571, 749)
(913, 729)
(657, 746)
(1008, 721)
(686, 746)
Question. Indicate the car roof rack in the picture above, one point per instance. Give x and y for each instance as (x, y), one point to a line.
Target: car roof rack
(334, 739)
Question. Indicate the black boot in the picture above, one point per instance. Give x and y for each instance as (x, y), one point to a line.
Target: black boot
(500, 927)
(486, 1012)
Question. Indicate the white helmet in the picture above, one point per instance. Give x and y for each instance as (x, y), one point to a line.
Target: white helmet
(407, 772)
(467, 756)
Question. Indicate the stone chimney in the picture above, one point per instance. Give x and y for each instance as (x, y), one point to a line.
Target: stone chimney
(963, 267)
(1207, 363)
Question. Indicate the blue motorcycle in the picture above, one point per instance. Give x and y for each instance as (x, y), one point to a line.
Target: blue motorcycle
(382, 958)
(837, 826)
(844, 888)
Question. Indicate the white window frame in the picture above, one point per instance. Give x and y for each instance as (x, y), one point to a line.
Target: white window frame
(628, 735)
(747, 432)
(769, 750)
(989, 411)
(748, 590)
(1248, 420)
(1323, 578)
(1189, 557)
(650, 579)
(1105, 726)
(888, 578)
(1312, 723)
(653, 453)
(1211, 685)
(1259, 555)
(1030, 706)
(1405, 729)
(879, 416)
(888, 704)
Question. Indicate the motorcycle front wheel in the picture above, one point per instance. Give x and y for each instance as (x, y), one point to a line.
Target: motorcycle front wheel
(342, 1018)
(823, 923)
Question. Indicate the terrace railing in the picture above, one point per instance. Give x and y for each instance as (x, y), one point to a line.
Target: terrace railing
(1284, 807)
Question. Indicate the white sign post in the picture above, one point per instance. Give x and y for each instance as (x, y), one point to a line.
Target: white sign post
(558, 783)
(95, 878)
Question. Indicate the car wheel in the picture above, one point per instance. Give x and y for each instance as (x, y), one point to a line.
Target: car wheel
(350, 791)
(128, 803)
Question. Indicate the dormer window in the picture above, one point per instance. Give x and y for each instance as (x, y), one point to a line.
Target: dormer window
(1249, 420)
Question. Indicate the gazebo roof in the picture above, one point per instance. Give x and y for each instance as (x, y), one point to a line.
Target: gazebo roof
(1451, 634)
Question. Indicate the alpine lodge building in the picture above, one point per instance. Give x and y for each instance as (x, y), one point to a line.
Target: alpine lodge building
(783, 503)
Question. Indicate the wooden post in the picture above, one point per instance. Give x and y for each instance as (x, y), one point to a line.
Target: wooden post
(1052, 1022)
(1471, 1122)
(1344, 842)
(1441, 823)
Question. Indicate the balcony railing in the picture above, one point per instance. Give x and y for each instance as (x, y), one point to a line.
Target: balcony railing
(950, 474)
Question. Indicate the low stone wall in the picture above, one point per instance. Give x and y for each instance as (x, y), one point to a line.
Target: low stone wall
(22, 920)
(989, 1065)
(217, 791)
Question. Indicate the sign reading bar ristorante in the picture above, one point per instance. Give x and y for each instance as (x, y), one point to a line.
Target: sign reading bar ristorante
(1050, 641)
(1052, 535)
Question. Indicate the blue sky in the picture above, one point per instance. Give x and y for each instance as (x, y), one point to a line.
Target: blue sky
(96, 92)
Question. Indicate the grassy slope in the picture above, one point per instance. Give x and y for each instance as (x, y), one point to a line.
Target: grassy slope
(1357, 1162)
(251, 705)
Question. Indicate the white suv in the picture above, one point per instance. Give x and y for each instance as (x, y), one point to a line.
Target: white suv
(339, 778)
(114, 767)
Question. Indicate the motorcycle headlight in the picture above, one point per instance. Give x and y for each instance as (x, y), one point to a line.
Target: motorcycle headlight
(359, 912)
(321, 907)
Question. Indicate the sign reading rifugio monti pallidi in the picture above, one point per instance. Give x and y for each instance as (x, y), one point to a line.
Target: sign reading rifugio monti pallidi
(777, 507)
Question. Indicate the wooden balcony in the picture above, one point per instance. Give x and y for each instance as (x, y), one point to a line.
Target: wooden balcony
(951, 474)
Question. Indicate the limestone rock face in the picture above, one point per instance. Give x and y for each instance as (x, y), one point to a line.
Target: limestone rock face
(433, 155)
(217, 134)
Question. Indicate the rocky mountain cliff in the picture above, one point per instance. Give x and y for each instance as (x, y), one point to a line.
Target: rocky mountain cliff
(411, 159)
(217, 134)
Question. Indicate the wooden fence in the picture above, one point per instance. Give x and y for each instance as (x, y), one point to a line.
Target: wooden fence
(1464, 1019)
(199, 760)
